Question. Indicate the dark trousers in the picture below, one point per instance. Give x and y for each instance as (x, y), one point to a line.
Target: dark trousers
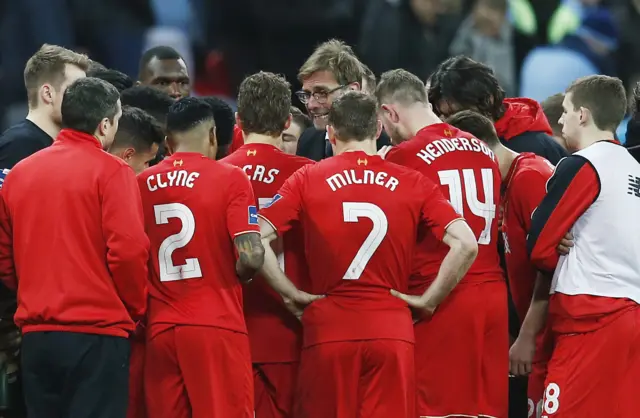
(75, 375)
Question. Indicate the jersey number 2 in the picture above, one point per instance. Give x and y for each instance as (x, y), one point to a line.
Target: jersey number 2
(168, 271)
(487, 209)
(353, 211)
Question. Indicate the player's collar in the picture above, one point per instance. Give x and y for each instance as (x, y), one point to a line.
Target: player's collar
(77, 136)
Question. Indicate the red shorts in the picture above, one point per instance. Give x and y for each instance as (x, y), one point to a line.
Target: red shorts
(372, 378)
(197, 371)
(596, 374)
(535, 389)
(274, 386)
(136, 383)
(462, 354)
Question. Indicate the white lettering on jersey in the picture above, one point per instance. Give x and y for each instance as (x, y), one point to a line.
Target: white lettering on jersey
(260, 173)
(351, 177)
(177, 178)
(442, 146)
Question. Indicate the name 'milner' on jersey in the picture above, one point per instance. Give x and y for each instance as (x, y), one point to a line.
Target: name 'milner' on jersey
(468, 174)
(360, 216)
(193, 208)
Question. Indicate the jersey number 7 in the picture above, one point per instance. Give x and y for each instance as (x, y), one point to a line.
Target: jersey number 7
(487, 209)
(352, 212)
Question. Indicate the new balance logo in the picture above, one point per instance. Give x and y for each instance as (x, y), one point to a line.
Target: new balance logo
(634, 185)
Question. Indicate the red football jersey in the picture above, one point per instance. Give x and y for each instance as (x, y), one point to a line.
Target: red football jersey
(275, 335)
(193, 209)
(468, 173)
(360, 216)
(525, 187)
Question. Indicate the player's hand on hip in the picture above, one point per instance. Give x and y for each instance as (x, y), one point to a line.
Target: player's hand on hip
(419, 303)
(299, 302)
(382, 152)
(565, 244)
(521, 356)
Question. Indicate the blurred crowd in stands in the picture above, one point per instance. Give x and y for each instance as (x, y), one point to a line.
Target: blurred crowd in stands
(536, 47)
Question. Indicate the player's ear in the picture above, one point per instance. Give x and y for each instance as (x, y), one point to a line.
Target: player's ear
(287, 124)
(238, 122)
(378, 129)
(46, 93)
(355, 86)
(170, 143)
(331, 132)
(213, 139)
(128, 153)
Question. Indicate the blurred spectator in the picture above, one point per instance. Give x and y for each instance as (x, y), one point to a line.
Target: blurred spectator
(633, 126)
(486, 36)
(117, 79)
(292, 134)
(552, 108)
(551, 69)
(627, 15)
(163, 68)
(410, 34)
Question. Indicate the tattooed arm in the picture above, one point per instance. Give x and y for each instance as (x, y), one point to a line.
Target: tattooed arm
(250, 255)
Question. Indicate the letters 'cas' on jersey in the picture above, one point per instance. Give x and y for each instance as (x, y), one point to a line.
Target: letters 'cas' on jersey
(274, 333)
(360, 216)
(468, 174)
(193, 208)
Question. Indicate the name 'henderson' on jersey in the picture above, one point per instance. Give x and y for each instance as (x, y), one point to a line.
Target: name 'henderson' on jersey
(274, 334)
(193, 208)
(467, 171)
(360, 215)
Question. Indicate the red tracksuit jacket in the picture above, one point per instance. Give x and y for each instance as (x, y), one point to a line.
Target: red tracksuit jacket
(72, 240)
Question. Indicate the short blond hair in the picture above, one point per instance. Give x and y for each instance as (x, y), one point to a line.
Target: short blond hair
(337, 58)
(47, 65)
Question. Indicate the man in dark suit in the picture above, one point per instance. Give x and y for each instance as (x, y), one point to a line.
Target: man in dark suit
(329, 72)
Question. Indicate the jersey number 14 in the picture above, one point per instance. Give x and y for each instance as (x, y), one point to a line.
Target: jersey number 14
(486, 210)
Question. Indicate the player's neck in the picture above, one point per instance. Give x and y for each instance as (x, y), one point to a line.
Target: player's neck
(42, 120)
(276, 141)
(591, 136)
(367, 146)
(505, 159)
(192, 148)
(419, 118)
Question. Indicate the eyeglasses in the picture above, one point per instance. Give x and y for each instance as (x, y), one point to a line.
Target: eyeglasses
(320, 96)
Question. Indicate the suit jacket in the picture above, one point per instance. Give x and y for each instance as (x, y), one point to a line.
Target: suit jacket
(313, 144)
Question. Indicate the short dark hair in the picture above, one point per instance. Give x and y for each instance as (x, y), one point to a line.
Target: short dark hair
(604, 96)
(401, 86)
(224, 117)
(552, 108)
(116, 78)
(187, 113)
(161, 52)
(151, 100)
(354, 116)
(468, 84)
(86, 102)
(300, 118)
(137, 129)
(476, 124)
(264, 103)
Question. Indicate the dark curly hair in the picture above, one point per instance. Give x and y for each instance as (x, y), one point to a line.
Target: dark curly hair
(465, 84)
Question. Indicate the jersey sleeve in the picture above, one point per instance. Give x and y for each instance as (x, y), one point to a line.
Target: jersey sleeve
(286, 205)
(526, 199)
(436, 213)
(242, 212)
(571, 190)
